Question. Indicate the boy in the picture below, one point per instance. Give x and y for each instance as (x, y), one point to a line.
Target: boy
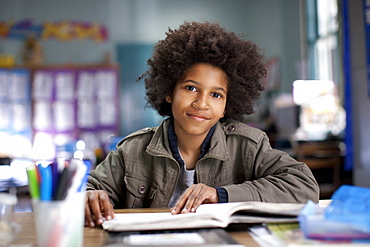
(204, 79)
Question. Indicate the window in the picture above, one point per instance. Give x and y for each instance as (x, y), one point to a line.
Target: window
(323, 40)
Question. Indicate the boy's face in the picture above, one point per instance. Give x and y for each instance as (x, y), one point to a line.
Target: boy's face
(198, 100)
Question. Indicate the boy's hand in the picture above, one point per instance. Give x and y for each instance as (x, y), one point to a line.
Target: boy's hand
(97, 205)
(193, 197)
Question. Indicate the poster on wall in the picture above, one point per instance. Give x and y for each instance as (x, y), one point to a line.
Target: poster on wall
(367, 40)
(64, 30)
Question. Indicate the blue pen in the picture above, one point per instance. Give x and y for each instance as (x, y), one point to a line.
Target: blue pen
(55, 176)
(46, 185)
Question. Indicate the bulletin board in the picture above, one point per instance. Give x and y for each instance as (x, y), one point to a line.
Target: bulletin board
(367, 40)
(50, 106)
(15, 112)
(75, 103)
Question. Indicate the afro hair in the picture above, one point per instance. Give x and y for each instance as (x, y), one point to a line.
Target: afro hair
(206, 42)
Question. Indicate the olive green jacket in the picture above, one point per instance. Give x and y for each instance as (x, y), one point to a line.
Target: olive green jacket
(143, 173)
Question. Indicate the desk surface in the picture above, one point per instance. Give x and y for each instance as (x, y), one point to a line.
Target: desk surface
(97, 236)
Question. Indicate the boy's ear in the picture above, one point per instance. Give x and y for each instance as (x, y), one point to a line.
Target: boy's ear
(168, 98)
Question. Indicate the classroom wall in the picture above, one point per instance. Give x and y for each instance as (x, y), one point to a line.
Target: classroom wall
(360, 94)
(273, 24)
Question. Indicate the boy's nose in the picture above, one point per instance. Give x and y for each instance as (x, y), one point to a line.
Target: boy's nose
(201, 103)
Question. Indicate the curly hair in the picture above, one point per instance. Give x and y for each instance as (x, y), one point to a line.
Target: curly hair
(195, 42)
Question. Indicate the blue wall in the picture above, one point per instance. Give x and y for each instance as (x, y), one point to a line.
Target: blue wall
(132, 59)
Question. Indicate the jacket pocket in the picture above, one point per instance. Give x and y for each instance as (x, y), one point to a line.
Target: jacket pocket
(140, 193)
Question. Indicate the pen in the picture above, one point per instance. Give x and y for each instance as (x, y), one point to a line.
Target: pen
(87, 163)
(78, 176)
(55, 176)
(61, 184)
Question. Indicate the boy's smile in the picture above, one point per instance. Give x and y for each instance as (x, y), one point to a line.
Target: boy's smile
(198, 100)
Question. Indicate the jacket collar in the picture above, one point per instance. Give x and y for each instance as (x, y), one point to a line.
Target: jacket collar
(160, 146)
(172, 138)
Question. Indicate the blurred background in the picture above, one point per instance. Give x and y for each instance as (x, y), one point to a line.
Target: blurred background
(68, 71)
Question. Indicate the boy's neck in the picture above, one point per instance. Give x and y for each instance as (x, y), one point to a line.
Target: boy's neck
(189, 148)
(190, 145)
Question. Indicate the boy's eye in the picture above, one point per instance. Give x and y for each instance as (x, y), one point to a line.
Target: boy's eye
(216, 95)
(190, 88)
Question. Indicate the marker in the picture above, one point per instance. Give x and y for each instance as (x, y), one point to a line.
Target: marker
(87, 163)
(46, 187)
(33, 182)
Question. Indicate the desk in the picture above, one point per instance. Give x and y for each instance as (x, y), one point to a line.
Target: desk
(96, 236)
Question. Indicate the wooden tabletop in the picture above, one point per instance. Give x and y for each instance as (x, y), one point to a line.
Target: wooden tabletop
(97, 236)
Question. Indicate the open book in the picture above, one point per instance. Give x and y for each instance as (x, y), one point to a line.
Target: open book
(207, 216)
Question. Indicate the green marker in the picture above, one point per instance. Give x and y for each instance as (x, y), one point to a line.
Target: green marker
(33, 183)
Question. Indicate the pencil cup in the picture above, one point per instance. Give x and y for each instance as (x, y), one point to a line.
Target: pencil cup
(60, 223)
(8, 229)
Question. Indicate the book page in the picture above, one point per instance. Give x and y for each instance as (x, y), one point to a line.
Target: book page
(155, 221)
(207, 215)
(263, 207)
